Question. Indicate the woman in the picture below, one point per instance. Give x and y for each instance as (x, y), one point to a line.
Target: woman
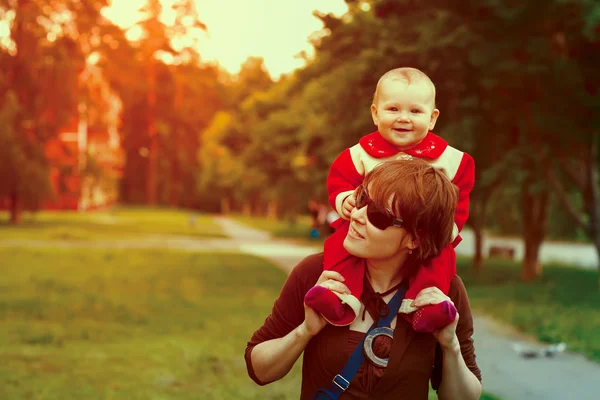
(422, 201)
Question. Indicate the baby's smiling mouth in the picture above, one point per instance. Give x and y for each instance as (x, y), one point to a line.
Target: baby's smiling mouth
(402, 130)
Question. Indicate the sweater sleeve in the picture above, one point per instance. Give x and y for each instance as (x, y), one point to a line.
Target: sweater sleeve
(464, 332)
(288, 310)
(343, 177)
(464, 180)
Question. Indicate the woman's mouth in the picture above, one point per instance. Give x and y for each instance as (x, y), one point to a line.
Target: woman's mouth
(354, 233)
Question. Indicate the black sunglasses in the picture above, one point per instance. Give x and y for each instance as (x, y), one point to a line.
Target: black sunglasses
(378, 218)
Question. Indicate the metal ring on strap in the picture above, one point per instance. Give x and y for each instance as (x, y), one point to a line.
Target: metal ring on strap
(368, 346)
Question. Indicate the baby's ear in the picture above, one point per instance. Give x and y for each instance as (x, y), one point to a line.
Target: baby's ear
(434, 116)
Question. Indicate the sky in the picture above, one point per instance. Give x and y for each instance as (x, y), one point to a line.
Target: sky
(276, 30)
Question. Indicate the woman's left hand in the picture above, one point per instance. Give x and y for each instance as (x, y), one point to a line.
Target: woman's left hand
(446, 336)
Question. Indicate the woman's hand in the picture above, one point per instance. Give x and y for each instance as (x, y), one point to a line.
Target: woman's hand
(446, 336)
(313, 321)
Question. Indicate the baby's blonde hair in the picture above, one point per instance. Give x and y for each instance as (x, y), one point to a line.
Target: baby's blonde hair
(406, 74)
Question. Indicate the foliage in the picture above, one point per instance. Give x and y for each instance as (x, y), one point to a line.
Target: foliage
(39, 87)
(501, 69)
(164, 111)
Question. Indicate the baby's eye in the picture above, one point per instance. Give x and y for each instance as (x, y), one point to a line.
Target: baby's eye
(415, 111)
(392, 109)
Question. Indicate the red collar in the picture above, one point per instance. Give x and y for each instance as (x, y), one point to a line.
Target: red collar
(432, 146)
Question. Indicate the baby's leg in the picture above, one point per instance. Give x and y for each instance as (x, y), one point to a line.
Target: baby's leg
(437, 273)
(434, 317)
(326, 303)
(338, 309)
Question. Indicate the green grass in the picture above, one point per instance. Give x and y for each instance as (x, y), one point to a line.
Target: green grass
(107, 225)
(130, 324)
(563, 305)
(100, 324)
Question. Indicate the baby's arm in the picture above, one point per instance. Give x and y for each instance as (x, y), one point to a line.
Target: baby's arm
(342, 180)
(464, 180)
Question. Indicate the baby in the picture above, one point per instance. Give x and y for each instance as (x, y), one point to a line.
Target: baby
(404, 112)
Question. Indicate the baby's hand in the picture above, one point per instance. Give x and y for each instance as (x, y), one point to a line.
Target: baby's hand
(348, 206)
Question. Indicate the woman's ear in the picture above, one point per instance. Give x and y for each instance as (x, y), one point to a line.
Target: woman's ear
(413, 242)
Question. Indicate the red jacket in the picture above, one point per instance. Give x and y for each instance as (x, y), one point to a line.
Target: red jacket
(349, 168)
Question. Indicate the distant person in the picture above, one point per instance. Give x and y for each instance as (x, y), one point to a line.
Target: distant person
(404, 112)
(330, 219)
(313, 209)
(417, 203)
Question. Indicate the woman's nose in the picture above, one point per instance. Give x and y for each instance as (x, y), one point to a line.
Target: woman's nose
(359, 214)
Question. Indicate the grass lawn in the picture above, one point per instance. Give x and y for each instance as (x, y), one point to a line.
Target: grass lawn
(129, 324)
(563, 305)
(109, 324)
(108, 225)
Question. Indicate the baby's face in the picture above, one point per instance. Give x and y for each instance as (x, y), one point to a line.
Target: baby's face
(404, 113)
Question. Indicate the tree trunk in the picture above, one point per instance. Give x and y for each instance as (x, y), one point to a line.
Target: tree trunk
(597, 245)
(247, 209)
(535, 212)
(152, 137)
(479, 206)
(272, 210)
(594, 196)
(225, 206)
(588, 183)
(292, 216)
(15, 209)
(532, 268)
(174, 196)
(478, 256)
(477, 223)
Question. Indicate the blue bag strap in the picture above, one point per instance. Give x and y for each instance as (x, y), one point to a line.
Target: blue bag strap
(341, 381)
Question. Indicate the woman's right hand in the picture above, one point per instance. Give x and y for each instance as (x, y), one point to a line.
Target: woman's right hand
(313, 321)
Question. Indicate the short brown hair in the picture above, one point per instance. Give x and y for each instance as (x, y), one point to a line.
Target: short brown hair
(406, 74)
(422, 196)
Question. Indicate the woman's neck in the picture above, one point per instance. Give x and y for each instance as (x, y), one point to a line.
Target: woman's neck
(385, 274)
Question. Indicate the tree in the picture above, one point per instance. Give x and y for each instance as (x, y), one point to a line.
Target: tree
(154, 50)
(39, 92)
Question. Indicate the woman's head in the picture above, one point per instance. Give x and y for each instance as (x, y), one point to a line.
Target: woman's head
(412, 194)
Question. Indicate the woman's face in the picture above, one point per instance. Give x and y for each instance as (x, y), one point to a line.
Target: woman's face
(366, 241)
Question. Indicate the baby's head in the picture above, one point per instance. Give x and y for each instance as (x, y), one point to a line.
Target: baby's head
(404, 107)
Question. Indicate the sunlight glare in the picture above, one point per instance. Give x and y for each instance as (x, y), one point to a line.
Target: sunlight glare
(275, 30)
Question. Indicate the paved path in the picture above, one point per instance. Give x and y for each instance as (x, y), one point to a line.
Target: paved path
(565, 377)
(144, 242)
(578, 254)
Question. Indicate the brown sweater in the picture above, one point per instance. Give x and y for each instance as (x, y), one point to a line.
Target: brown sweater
(411, 362)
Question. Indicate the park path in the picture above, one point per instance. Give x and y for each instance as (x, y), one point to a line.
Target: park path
(505, 374)
(582, 255)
